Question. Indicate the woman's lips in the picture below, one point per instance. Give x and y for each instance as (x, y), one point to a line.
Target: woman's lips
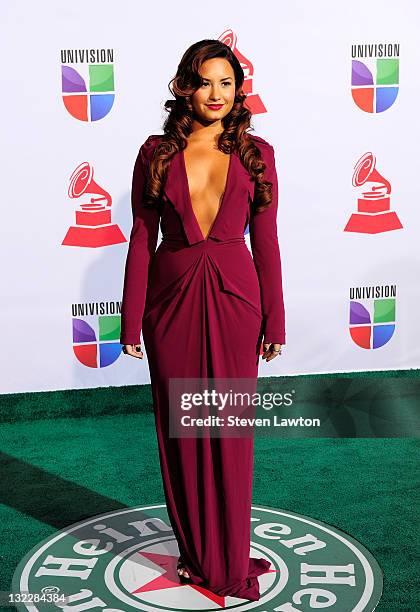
(214, 106)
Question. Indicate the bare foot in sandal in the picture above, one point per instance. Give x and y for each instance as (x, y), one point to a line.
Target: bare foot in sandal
(181, 569)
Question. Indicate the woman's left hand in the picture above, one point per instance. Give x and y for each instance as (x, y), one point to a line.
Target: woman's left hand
(271, 351)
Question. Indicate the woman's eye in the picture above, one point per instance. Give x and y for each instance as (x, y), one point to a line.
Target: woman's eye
(224, 83)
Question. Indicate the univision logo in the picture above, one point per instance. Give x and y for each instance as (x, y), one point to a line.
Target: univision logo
(372, 315)
(96, 333)
(375, 80)
(88, 91)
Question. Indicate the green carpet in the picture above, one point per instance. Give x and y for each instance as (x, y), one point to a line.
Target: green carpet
(68, 455)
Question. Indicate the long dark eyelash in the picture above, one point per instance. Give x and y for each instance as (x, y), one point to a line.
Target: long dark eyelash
(224, 82)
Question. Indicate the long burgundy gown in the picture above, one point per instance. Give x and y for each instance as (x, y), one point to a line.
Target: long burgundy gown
(204, 305)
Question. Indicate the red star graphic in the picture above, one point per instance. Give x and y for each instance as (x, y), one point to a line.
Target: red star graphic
(170, 578)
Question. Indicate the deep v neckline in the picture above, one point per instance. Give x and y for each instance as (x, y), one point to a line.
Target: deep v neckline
(187, 189)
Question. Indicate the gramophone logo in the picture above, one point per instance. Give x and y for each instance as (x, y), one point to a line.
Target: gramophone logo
(93, 219)
(373, 214)
(375, 76)
(253, 101)
(372, 315)
(96, 333)
(88, 90)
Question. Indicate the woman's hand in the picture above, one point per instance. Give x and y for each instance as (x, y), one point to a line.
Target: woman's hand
(271, 351)
(134, 350)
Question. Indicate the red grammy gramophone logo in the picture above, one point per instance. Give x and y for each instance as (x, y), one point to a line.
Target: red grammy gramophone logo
(93, 220)
(253, 101)
(373, 214)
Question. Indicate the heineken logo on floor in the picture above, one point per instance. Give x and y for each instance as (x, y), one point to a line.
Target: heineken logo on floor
(126, 560)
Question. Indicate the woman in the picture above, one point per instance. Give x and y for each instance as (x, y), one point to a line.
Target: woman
(203, 302)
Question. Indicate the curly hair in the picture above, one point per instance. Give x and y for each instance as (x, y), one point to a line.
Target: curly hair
(178, 124)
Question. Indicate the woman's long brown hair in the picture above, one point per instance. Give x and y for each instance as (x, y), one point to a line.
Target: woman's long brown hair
(177, 126)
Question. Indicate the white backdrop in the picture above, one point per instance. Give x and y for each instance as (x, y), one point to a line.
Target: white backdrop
(301, 53)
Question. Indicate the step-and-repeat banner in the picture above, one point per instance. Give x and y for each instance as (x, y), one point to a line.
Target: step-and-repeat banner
(333, 87)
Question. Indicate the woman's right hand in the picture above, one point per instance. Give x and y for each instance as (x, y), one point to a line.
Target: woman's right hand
(134, 350)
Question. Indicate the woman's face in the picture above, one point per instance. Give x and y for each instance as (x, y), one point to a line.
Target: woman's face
(217, 89)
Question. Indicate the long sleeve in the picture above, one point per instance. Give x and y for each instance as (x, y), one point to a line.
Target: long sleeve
(266, 255)
(142, 245)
